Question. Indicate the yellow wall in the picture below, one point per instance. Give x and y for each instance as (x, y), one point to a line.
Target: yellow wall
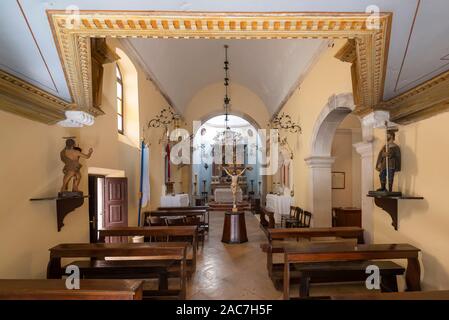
(209, 101)
(425, 172)
(30, 167)
(342, 152)
(329, 76)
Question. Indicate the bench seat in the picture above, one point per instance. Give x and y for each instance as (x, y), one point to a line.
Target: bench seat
(134, 269)
(337, 271)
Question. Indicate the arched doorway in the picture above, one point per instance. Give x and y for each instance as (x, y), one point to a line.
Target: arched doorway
(216, 147)
(321, 160)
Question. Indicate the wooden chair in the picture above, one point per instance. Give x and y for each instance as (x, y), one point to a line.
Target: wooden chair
(295, 221)
(287, 218)
(264, 213)
(304, 221)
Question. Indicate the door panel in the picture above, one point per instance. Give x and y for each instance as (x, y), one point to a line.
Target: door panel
(93, 209)
(115, 205)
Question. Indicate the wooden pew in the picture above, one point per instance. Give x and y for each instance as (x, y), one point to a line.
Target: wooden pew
(189, 208)
(313, 273)
(264, 212)
(55, 289)
(186, 214)
(303, 233)
(408, 295)
(152, 258)
(177, 213)
(339, 252)
(175, 231)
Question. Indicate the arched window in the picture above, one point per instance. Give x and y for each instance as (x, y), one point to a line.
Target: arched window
(120, 119)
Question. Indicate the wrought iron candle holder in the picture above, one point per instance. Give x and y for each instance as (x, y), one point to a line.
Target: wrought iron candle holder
(284, 121)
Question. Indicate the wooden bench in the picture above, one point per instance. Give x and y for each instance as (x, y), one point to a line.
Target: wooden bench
(180, 218)
(156, 232)
(340, 271)
(280, 235)
(338, 252)
(54, 289)
(154, 258)
(408, 295)
(189, 208)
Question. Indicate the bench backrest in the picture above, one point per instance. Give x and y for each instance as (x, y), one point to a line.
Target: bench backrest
(307, 233)
(171, 213)
(155, 231)
(183, 208)
(161, 250)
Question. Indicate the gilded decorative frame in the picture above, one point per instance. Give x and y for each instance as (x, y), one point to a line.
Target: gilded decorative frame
(73, 39)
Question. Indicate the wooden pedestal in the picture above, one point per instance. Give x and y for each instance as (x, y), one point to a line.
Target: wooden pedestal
(234, 228)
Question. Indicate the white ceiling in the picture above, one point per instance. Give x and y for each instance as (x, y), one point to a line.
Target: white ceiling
(418, 51)
(270, 68)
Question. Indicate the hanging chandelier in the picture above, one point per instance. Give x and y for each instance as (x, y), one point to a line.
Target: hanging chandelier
(227, 136)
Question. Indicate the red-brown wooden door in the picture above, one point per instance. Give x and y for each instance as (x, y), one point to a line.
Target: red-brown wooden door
(115, 205)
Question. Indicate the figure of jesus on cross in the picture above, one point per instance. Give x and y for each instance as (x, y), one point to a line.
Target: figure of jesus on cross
(235, 184)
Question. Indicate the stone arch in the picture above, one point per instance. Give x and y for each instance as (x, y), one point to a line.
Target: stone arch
(240, 114)
(320, 160)
(236, 113)
(333, 113)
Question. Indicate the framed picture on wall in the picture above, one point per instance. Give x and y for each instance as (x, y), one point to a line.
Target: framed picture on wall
(338, 180)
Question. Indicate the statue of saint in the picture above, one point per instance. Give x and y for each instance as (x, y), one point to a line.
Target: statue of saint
(71, 155)
(235, 184)
(388, 162)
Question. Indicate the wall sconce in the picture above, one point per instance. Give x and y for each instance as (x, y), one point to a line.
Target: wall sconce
(284, 122)
(165, 118)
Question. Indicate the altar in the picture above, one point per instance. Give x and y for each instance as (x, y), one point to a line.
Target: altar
(224, 195)
(279, 205)
(177, 200)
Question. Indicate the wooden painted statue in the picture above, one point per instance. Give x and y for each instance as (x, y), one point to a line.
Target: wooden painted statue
(388, 162)
(71, 155)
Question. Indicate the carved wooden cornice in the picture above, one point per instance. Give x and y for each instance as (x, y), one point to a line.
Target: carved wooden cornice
(101, 54)
(421, 102)
(73, 40)
(348, 52)
(26, 100)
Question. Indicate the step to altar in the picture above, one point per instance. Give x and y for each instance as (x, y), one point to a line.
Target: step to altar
(221, 206)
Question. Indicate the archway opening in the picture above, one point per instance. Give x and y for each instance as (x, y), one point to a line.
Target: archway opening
(233, 145)
(327, 179)
(346, 173)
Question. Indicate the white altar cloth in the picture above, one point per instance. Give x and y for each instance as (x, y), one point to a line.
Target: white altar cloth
(178, 200)
(279, 205)
(224, 195)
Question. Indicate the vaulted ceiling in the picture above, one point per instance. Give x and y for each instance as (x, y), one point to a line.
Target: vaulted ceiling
(270, 68)
(418, 49)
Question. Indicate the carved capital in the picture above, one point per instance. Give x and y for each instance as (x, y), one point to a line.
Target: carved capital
(319, 161)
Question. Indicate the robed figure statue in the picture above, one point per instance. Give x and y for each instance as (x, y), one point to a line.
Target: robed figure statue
(388, 162)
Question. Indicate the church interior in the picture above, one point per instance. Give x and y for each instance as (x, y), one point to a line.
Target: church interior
(224, 150)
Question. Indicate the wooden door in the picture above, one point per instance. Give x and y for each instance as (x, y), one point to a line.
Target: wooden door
(115, 205)
(93, 208)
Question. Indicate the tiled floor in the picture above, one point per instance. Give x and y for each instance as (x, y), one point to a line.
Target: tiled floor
(232, 271)
(238, 271)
